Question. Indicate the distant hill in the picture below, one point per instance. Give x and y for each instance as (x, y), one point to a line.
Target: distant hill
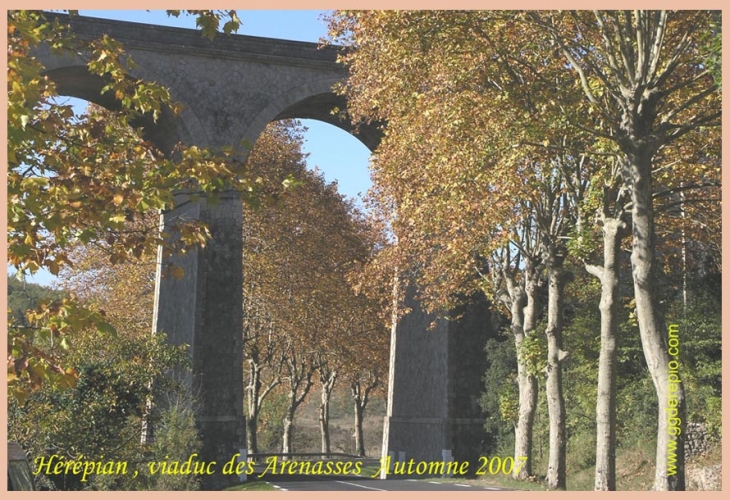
(23, 296)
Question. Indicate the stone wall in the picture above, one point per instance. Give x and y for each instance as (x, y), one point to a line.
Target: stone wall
(698, 440)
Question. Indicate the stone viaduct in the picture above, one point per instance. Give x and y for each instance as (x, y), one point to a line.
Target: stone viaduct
(231, 87)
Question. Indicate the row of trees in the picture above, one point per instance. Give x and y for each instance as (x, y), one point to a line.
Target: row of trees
(516, 141)
(304, 325)
(699, 326)
(85, 192)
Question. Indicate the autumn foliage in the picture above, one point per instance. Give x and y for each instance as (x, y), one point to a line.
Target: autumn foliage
(90, 179)
(514, 139)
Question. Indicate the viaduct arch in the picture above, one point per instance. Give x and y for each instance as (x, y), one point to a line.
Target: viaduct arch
(231, 87)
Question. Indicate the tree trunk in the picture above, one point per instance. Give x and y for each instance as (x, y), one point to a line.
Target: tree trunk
(684, 251)
(300, 382)
(324, 421)
(252, 424)
(610, 278)
(525, 418)
(523, 322)
(327, 379)
(147, 426)
(361, 396)
(359, 436)
(253, 390)
(668, 476)
(286, 441)
(554, 384)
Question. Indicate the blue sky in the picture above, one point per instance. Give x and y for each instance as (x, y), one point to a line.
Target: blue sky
(336, 153)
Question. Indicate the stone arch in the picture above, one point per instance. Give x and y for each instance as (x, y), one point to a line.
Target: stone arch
(313, 100)
(75, 80)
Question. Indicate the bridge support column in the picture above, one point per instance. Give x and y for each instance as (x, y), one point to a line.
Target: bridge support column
(204, 310)
(435, 383)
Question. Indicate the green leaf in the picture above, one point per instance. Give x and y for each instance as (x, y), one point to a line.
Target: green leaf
(104, 327)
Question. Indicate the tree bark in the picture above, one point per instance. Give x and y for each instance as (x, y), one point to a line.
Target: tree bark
(359, 436)
(257, 390)
(361, 390)
(652, 328)
(610, 278)
(253, 389)
(252, 424)
(328, 384)
(526, 415)
(554, 385)
(324, 424)
(524, 316)
(300, 368)
(255, 396)
(286, 442)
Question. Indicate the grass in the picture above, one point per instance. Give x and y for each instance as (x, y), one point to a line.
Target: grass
(369, 470)
(634, 461)
(634, 472)
(252, 486)
(496, 481)
(506, 481)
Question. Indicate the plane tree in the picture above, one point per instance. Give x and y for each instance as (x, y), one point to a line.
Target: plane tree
(365, 354)
(467, 138)
(275, 157)
(300, 246)
(644, 73)
(80, 178)
(453, 88)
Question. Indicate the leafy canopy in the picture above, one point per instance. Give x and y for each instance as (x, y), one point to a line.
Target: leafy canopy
(91, 178)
